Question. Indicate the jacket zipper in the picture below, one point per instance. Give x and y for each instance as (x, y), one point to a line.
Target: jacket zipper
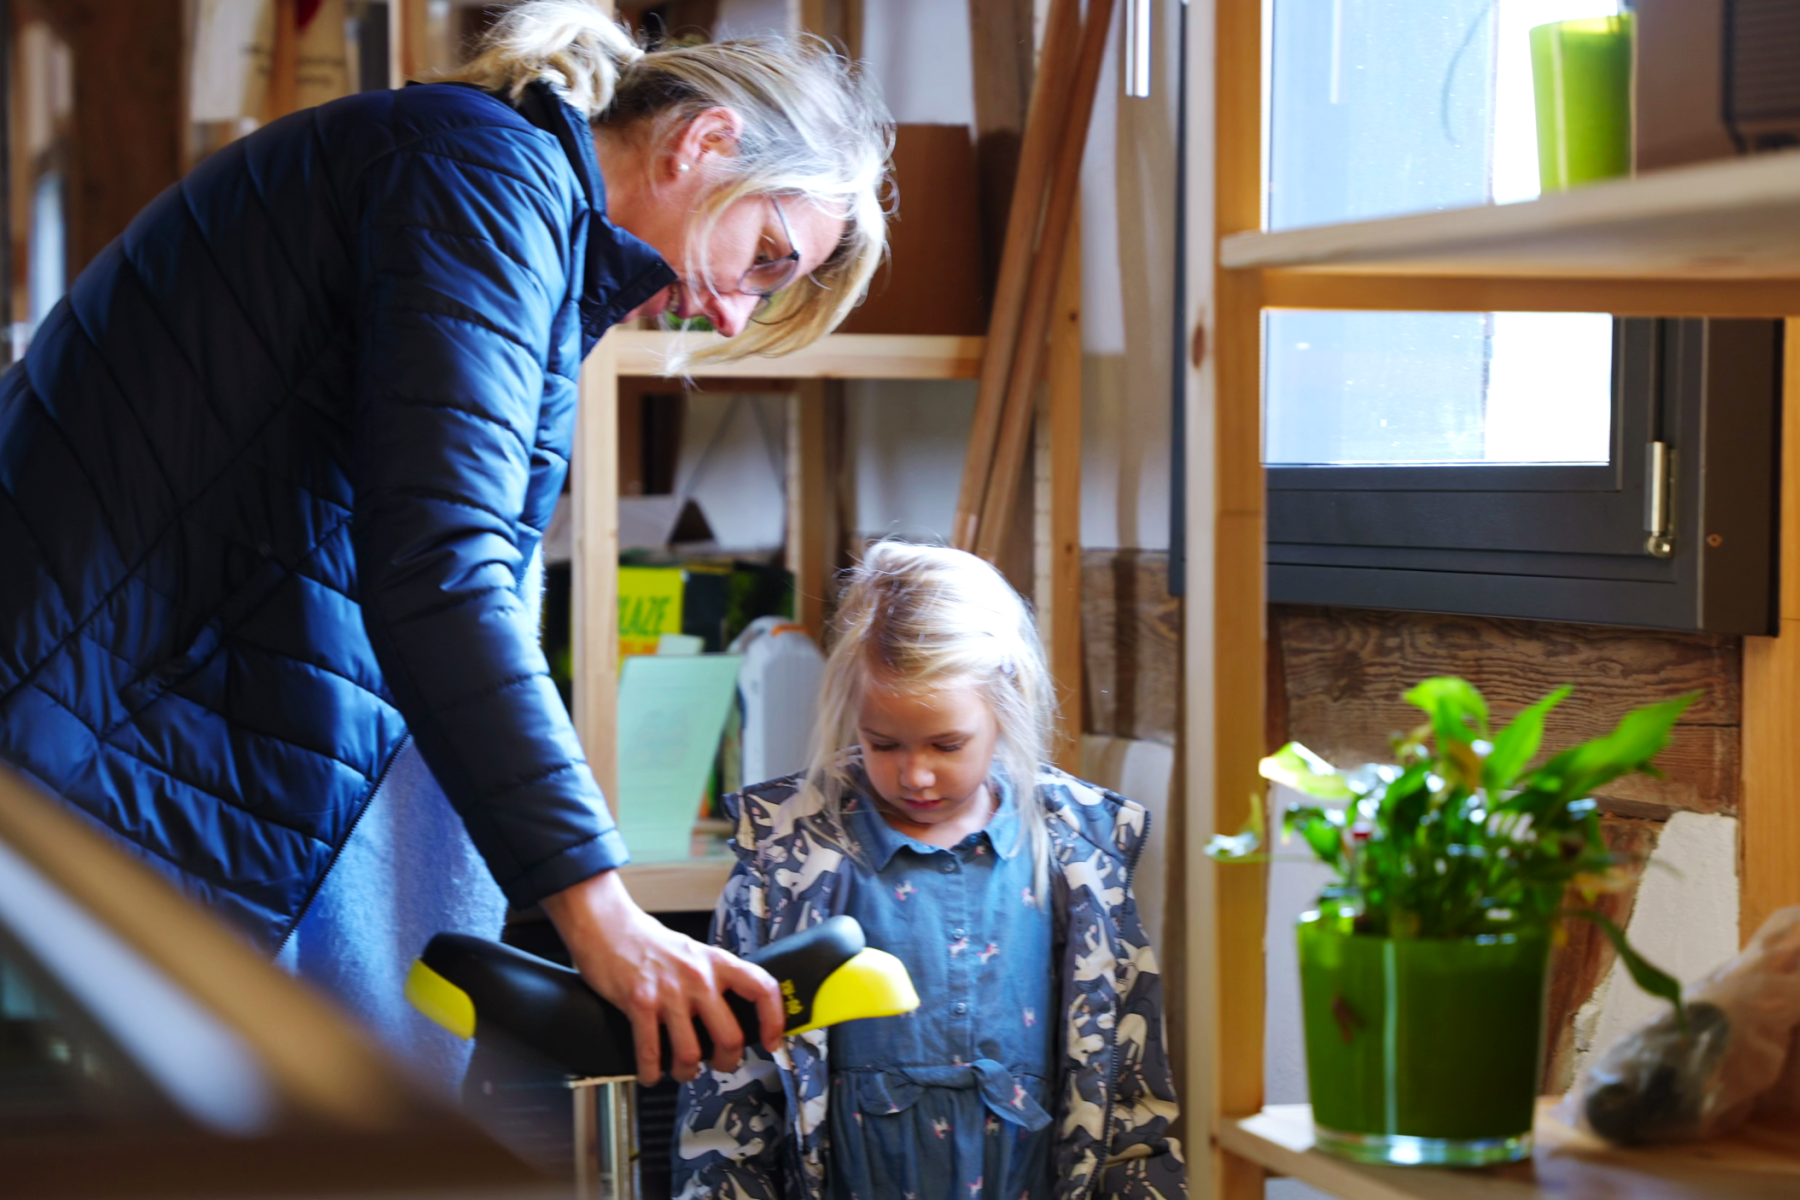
(1112, 1035)
(313, 892)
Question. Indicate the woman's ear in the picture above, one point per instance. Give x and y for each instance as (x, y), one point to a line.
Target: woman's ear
(713, 131)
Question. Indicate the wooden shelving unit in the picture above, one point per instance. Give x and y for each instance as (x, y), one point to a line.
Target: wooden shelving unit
(1737, 220)
(1720, 239)
(1757, 1164)
(839, 356)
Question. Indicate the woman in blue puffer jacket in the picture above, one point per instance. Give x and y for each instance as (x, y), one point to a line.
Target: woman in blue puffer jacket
(272, 478)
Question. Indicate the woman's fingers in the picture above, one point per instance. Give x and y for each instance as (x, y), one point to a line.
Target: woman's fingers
(661, 979)
(753, 983)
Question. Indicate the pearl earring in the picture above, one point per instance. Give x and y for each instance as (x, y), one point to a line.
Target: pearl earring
(681, 166)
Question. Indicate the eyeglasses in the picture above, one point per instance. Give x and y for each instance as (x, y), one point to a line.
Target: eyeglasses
(770, 275)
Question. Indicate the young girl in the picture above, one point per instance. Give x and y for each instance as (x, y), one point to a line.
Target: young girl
(1035, 1065)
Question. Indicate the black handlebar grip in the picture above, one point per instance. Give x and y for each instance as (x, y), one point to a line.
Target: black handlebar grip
(551, 1010)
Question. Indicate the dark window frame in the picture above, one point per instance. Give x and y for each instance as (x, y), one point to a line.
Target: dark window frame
(1568, 542)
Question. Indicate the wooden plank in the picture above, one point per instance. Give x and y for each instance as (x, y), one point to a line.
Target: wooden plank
(409, 40)
(284, 63)
(669, 887)
(594, 611)
(1002, 51)
(808, 555)
(1755, 1165)
(1062, 430)
(1345, 671)
(1734, 219)
(128, 118)
(1043, 131)
(1624, 297)
(1040, 292)
(1769, 837)
(840, 356)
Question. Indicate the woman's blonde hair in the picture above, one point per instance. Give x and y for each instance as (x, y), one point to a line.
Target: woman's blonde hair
(912, 617)
(813, 129)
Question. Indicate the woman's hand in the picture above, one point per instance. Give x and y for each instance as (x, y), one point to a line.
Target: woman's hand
(660, 978)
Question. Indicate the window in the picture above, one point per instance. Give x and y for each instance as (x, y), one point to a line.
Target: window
(1496, 463)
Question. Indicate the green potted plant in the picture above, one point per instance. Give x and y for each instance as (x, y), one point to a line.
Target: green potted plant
(1423, 969)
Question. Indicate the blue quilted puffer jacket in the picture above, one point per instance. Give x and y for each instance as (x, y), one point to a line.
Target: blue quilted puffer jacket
(270, 480)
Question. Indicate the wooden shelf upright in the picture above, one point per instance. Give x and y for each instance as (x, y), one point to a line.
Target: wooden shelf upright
(1711, 240)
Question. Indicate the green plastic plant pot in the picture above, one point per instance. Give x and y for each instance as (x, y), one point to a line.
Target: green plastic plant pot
(1420, 1050)
(1581, 82)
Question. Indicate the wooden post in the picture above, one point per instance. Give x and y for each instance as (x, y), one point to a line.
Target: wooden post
(409, 41)
(594, 613)
(126, 140)
(808, 525)
(1769, 828)
(284, 63)
(1238, 606)
(1058, 448)
(1040, 294)
(1043, 131)
(1002, 46)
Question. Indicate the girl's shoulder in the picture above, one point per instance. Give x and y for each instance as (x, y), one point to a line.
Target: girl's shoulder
(764, 814)
(1111, 822)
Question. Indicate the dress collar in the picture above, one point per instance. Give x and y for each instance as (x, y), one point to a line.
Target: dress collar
(881, 841)
(622, 271)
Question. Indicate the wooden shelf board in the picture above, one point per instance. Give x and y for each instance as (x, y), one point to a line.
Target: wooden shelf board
(690, 885)
(1736, 219)
(1752, 1165)
(839, 356)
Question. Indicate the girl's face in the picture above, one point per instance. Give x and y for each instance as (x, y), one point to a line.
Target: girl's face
(928, 752)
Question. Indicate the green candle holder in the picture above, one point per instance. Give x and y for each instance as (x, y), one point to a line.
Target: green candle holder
(1581, 80)
(1422, 1050)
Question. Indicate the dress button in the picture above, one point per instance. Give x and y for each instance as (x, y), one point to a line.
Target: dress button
(959, 1008)
(947, 865)
(958, 932)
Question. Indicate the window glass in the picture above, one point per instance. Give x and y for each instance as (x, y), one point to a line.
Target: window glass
(1383, 107)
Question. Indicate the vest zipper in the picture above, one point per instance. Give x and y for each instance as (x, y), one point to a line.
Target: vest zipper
(1112, 1035)
(313, 892)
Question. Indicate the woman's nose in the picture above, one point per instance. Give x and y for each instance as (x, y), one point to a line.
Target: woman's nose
(730, 313)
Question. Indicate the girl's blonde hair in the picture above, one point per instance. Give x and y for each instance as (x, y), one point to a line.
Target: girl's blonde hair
(813, 129)
(911, 617)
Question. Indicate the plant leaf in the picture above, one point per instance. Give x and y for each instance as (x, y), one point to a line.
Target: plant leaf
(1629, 747)
(1243, 845)
(1518, 743)
(1452, 703)
(1297, 767)
(1651, 978)
(1323, 829)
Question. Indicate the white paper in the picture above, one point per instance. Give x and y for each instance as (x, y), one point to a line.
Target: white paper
(672, 713)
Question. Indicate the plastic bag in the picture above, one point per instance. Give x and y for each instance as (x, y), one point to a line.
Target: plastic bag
(1662, 1084)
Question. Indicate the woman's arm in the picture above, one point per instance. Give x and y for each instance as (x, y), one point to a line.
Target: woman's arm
(730, 1124)
(466, 335)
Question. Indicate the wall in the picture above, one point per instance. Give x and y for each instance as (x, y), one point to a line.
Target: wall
(919, 53)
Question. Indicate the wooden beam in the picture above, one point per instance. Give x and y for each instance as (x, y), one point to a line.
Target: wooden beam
(409, 40)
(594, 611)
(808, 521)
(1040, 294)
(1237, 633)
(1043, 131)
(126, 138)
(840, 356)
(284, 63)
(1769, 829)
(1622, 297)
(1059, 506)
(1003, 51)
